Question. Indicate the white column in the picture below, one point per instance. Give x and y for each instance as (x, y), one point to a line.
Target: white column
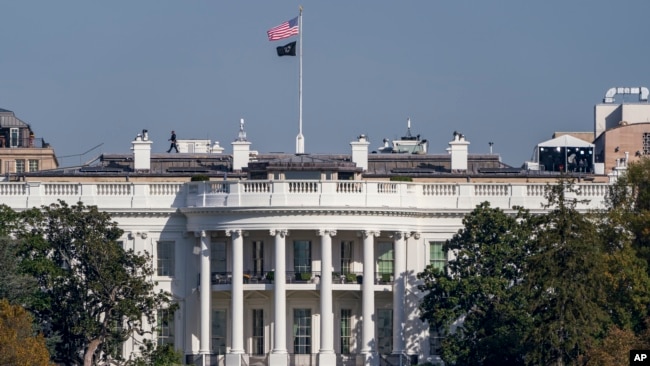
(205, 291)
(399, 270)
(368, 342)
(279, 355)
(237, 310)
(326, 355)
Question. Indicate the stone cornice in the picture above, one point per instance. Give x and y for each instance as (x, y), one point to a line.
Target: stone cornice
(319, 211)
(138, 212)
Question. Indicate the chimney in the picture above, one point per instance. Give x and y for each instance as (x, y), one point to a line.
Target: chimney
(458, 148)
(240, 149)
(141, 147)
(360, 152)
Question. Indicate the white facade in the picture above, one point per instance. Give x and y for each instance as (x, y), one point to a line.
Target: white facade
(227, 236)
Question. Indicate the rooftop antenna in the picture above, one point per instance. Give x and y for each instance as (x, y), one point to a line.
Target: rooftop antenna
(408, 127)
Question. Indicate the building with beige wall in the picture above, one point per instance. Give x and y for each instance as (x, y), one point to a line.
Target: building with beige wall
(622, 127)
(20, 149)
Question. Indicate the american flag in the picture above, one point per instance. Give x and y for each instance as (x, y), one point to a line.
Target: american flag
(284, 30)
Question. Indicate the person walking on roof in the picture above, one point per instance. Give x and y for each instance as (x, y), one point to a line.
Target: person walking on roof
(173, 145)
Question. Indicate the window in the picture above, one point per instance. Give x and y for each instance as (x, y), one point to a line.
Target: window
(20, 166)
(33, 165)
(646, 143)
(302, 256)
(258, 332)
(165, 256)
(258, 258)
(384, 330)
(437, 256)
(385, 258)
(13, 137)
(219, 332)
(218, 263)
(302, 331)
(346, 331)
(346, 257)
(435, 341)
(165, 329)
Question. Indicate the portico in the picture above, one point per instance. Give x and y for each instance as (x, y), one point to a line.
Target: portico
(292, 287)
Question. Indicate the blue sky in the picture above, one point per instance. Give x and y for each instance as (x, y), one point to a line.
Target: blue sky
(85, 73)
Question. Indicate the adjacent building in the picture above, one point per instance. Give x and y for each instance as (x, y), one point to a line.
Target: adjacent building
(20, 150)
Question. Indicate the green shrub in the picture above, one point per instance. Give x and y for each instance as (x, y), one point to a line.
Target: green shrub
(399, 178)
(199, 178)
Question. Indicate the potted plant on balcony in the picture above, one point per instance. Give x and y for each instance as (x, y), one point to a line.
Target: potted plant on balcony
(336, 277)
(350, 277)
(305, 276)
(270, 276)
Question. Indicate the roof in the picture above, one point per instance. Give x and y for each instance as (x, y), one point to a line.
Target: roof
(8, 119)
(303, 162)
(566, 140)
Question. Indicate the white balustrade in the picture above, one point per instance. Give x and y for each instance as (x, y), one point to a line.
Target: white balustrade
(292, 193)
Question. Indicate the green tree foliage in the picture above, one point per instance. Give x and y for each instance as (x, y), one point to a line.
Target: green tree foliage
(561, 287)
(164, 355)
(629, 197)
(94, 293)
(19, 345)
(15, 286)
(481, 287)
(565, 282)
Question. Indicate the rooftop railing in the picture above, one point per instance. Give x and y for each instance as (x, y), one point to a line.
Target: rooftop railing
(287, 194)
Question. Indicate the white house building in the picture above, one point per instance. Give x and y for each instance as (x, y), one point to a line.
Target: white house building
(284, 259)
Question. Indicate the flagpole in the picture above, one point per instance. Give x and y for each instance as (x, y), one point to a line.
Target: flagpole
(300, 139)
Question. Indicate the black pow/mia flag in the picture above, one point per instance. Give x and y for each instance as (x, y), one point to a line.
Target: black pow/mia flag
(288, 49)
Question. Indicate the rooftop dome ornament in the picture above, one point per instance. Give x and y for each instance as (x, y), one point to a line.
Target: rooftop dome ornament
(242, 134)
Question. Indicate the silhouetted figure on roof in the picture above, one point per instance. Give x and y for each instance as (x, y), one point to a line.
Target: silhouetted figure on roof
(173, 145)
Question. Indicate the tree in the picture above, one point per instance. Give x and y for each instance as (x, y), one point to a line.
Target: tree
(562, 287)
(164, 355)
(94, 293)
(614, 349)
(19, 345)
(566, 281)
(15, 286)
(630, 198)
(480, 290)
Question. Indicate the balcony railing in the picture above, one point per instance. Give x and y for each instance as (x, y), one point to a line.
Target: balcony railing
(24, 143)
(288, 194)
(347, 278)
(380, 194)
(303, 277)
(293, 277)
